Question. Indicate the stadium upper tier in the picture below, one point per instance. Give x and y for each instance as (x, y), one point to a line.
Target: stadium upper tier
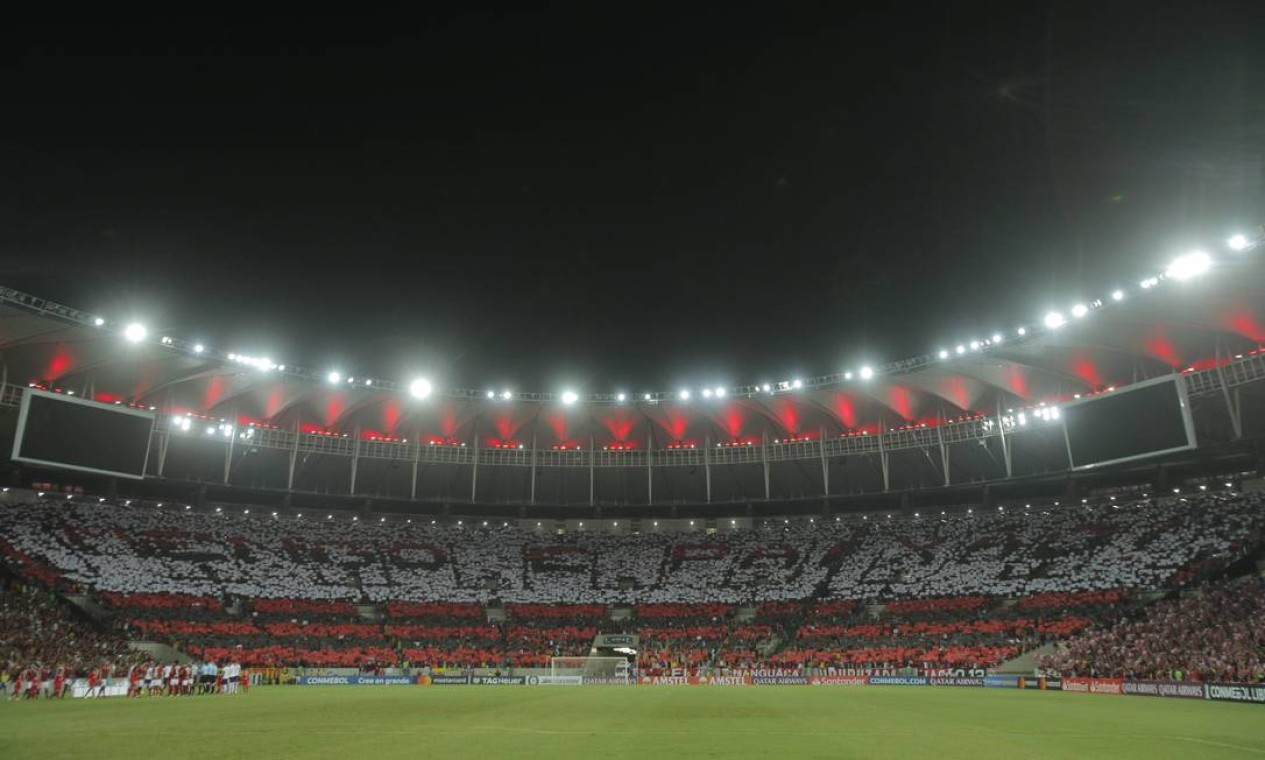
(978, 416)
(117, 548)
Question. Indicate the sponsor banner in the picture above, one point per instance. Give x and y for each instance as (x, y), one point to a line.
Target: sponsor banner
(555, 680)
(1165, 689)
(1039, 682)
(725, 681)
(357, 680)
(953, 673)
(1237, 692)
(1002, 682)
(780, 672)
(608, 681)
(836, 680)
(78, 688)
(447, 680)
(667, 680)
(608, 640)
(1094, 685)
(498, 680)
(955, 681)
(779, 680)
(896, 680)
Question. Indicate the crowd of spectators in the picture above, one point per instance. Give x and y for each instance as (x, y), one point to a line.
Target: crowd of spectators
(39, 630)
(1216, 633)
(271, 591)
(133, 549)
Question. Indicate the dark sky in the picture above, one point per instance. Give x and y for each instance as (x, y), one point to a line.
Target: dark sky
(633, 200)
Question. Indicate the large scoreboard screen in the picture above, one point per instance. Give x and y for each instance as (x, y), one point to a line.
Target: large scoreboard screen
(74, 434)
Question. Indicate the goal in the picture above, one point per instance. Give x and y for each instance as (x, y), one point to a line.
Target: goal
(609, 669)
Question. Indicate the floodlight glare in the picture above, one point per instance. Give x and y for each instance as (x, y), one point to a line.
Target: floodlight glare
(867, 373)
(766, 388)
(684, 395)
(961, 349)
(944, 354)
(797, 384)
(647, 397)
(620, 397)
(420, 388)
(847, 375)
(198, 348)
(975, 345)
(334, 377)
(1189, 265)
(1117, 295)
(707, 393)
(1054, 320)
(1022, 331)
(720, 393)
(1080, 310)
(569, 397)
(506, 395)
(996, 337)
(98, 321)
(135, 332)
(491, 394)
(1237, 242)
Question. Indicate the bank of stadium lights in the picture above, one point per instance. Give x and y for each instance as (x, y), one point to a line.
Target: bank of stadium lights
(261, 363)
(570, 397)
(506, 395)
(420, 388)
(1189, 265)
(1238, 242)
(1054, 320)
(135, 332)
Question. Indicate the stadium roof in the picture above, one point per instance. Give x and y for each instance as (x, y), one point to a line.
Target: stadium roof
(1163, 327)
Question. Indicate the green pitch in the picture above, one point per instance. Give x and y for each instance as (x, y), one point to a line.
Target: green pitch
(375, 723)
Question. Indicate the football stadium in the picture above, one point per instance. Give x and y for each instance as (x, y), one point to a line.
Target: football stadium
(279, 523)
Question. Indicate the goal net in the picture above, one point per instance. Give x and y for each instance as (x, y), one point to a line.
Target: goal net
(610, 669)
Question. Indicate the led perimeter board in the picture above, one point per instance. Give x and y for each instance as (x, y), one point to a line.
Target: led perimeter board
(74, 434)
(1143, 420)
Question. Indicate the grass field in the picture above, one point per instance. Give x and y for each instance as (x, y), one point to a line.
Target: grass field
(374, 723)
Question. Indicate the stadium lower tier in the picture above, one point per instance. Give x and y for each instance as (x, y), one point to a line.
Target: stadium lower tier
(267, 593)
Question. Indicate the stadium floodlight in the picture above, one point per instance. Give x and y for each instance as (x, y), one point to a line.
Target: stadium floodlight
(720, 392)
(961, 349)
(975, 345)
(1189, 265)
(420, 388)
(1080, 310)
(334, 378)
(847, 375)
(491, 394)
(867, 373)
(766, 388)
(797, 383)
(569, 397)
(135, 332)
(707, 393)
(684, 394)
(997, 337)
(647, 397)
(944, 354)
(198, 348)
(1054, 320)
(506, 395)
(1117, 295)
(1022, 331)
(1238, 242)
(620, 397)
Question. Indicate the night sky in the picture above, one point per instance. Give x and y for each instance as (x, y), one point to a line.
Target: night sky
(630, 201)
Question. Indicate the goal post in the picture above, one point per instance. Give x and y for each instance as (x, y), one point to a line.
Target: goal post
(609, 669)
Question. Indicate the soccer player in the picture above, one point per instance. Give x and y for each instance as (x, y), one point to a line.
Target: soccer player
(59, 682)
(134, 681)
